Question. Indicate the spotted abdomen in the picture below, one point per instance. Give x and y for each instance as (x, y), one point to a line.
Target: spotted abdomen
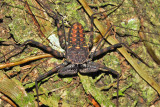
(76, 35)
(77, 50)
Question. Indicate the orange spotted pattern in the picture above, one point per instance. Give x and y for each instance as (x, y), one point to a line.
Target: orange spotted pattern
(76, 36)
(77, 49)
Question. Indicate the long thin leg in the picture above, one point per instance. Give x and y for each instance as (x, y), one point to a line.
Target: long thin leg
(92, 21)
(91, 36)
(105, 50)
(128, 49)
(61, 34)
(112, 47)
(103, 38)
(41, 46)
(46, 48)
(54, 15)
(104, 68)
(47, 74)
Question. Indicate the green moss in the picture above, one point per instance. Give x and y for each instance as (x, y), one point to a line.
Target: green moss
(126, 23)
